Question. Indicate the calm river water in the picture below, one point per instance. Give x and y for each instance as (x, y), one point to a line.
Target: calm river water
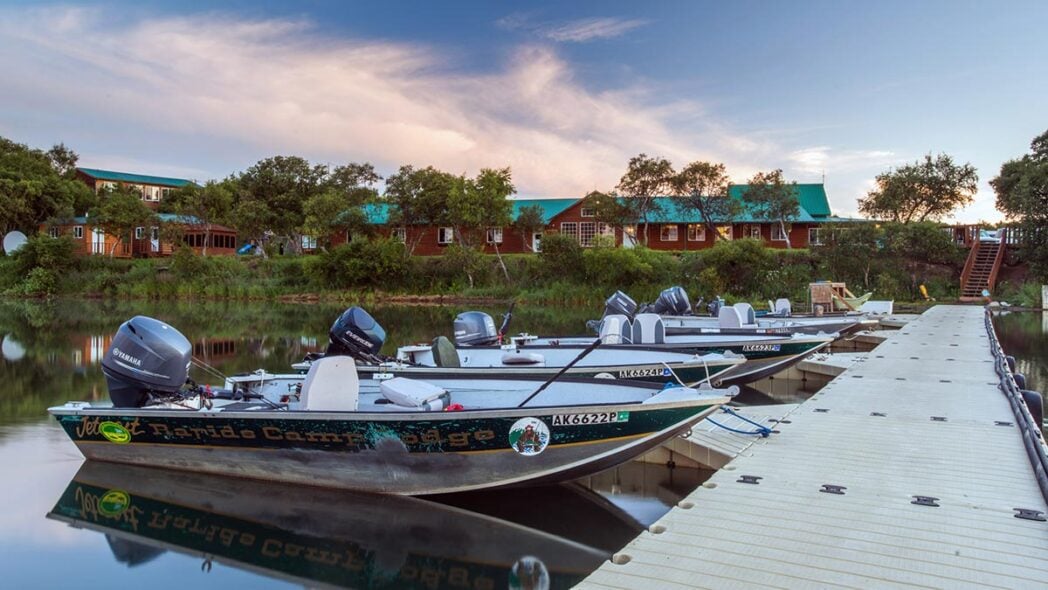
(66, 523)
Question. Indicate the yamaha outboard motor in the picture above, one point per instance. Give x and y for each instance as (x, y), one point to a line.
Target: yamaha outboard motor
(355, 333)
(620, 304)
(475, 328)
(673, 301)
(146, 356)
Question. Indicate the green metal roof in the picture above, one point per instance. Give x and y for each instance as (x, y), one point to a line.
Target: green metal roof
(550, 207)
(134, 178)
(812, 197)
(674, 210)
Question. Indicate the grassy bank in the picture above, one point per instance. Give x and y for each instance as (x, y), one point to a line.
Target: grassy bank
(380, 272)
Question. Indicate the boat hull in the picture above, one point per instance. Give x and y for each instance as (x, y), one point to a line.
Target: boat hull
(392, 452)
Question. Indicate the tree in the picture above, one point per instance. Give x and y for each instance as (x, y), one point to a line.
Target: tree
(34, 191)
(704, 188)
(1022, 195)
(846, 249)
(418, 198)
(773, 199)
(476, 204)
(926, 190)
(609, 209)
(645, 179)
(328, 213)
(252, 220)
(120, 211)
(530, 221)
(210, 204)
(63, 160)
(278, 189)
(918, 246)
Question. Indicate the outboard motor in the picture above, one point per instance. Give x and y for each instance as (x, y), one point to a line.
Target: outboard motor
(620, 304)
(146, 356)
(355, 333)
(672, 301)
(475, 328)
(715, 306)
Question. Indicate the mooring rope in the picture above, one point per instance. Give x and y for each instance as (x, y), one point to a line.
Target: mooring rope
(762, 430)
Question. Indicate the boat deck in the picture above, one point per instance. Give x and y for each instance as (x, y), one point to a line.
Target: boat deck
(931, 471)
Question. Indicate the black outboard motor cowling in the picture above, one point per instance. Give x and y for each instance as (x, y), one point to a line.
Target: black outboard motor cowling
(355, 333)
(146, 356)
(620, 304)
(475, 328)
(673, 301)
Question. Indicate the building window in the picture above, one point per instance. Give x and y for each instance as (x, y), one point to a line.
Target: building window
(140, 232)
(164, 192)
(154, 233)
(445, 235)
(668, 233)
(755, 232)
(570, 228)
(587, 229)
(494, 235)
(309, 242)
(78, 232)
(605, 229)
(814, 236)
(399, 234)
(696, 232)
(152, 193)
(725, 232)
(777, 234)
(53, 232)
(588, 212)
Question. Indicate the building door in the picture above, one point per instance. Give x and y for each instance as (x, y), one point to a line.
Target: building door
(98, 241)
(536, 241)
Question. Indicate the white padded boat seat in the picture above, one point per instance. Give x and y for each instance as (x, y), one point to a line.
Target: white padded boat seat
(747, 316)
(444, 353)
(414, 394)
(728, 317)
(615, 329)
(783, 307)
(331, 385)
(523, 358)
(648, 328)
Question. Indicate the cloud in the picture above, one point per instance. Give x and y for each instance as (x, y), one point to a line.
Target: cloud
(820, 159)
(275, 86)
(575, 31)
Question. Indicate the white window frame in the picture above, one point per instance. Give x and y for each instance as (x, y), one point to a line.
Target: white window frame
(309, 242)
(669, 232)
(730, 235)
(587, 231)
(818, 236)
(587, 212)
(140, 233)
(399, 234)
(570, 228)
(776, 233)
(445, 235)
(696, 232)
(154, 233)
(78, 232)
(493, 235)
(53, 231)
(152, 193)
(755, 232)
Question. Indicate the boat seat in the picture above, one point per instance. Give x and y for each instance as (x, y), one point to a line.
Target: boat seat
(747, 316)
(523, 358)
(648, 328)
(728, 317)
(415, 394)
(783, 308)
(444, 353)
(331, 385)
(615, 329)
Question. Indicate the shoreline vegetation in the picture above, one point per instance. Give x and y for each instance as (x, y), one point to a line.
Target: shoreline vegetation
(379, 271)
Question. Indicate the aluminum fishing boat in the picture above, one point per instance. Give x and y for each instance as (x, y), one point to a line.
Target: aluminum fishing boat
(397, 435)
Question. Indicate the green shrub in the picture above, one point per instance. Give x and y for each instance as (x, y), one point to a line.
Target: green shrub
(55, 254)
(561, 256)
(41, 281)
(738, 266)
(360, 263)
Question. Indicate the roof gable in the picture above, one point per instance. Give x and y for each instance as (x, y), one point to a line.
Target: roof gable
(550, 207)
(812, 197)
(134, 178)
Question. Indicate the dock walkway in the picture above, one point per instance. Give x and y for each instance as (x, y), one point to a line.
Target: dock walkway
(930, 469)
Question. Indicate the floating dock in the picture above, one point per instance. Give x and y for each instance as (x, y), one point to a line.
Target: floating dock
(907, 470)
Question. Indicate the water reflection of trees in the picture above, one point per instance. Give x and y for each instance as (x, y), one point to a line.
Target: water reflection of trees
(1024, 335)
(60, 343)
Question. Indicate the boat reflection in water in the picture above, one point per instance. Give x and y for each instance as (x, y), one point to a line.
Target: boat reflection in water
(320, 537)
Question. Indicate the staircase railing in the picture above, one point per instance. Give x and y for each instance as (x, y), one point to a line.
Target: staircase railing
(998, 259)
(969, 264)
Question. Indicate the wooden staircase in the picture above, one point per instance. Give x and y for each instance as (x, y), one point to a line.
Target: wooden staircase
(980, 270)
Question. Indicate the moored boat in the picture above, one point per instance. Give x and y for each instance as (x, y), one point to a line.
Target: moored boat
(393, 437)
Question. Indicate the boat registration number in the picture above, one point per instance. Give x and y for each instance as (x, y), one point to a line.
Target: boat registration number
(761, 348)
(595, 418)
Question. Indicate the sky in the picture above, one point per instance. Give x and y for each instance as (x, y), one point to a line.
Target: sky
(563, 93)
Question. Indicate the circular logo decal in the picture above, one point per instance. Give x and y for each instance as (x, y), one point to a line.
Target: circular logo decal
(529, 573)
(114, 433)
(529, 436)
(114, 502)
